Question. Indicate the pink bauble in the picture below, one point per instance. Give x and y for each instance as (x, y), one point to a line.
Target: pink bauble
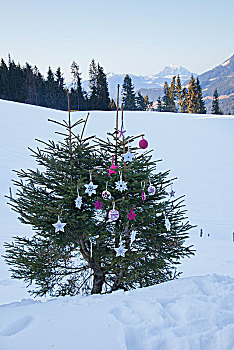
(143, 143)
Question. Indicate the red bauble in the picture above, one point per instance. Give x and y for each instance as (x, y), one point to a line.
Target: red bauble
(143, 143)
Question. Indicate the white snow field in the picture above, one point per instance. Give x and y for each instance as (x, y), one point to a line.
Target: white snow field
(195, 312)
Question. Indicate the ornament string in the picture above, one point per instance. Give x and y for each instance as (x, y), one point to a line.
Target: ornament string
(90, 175)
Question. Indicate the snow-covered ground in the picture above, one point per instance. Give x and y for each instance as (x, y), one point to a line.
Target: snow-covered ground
(190, 313)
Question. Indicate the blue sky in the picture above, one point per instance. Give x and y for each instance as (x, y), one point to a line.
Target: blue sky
(138, 37)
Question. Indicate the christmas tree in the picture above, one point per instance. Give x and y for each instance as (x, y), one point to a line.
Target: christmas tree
(103, 218)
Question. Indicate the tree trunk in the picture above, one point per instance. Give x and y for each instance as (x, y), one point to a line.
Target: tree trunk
(98, 278)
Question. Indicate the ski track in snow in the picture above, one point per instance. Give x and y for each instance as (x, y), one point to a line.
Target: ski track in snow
(192, 313)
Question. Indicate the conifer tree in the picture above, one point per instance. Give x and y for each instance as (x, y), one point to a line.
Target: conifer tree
(77, 94)
(183, 103)
(128, 95)
(103, 99)
(159, 105)
(89, 237)
(200, 106)
(215, 103)
(172, 94)
(140, 102)
(178, 90)
(166, 98)
(93, 72)
(192, 96)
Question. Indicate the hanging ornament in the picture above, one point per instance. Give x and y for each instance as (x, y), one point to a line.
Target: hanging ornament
(90, 188)
(128, 156)
(151, 189)
(133, 236)
(113, 213)
(106, 195)
(120, 251)
(112, 168)
(78, 200)
(121, 132)
(59, 226)
(98, 205)
(143, 195)
(167, 223)
(131, 215)
(143, 143)
(121, 185)
(172, 193)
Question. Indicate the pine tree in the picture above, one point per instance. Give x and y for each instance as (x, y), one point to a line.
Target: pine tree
(200, 106)
(86, 249)
(215, 103)
(183, 103)
(192, 96)
(172, 94)
(166, 98)
(179, 94)
(78, 95)
(159, 105)
(50, 90)
(93, 72)
(128, 95)
(103, 99)
(140, 102)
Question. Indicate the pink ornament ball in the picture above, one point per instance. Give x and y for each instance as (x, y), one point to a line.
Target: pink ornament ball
(143, 143)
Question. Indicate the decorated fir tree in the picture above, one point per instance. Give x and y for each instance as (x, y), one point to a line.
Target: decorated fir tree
(103, 218)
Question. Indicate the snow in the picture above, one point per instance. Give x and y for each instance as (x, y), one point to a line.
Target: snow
(226, 63)
(195, 312)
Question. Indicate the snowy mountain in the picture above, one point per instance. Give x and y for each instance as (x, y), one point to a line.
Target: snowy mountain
(145, 82)
(222, 78)
(194, 312)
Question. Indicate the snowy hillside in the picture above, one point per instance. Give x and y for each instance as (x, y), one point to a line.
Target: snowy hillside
(190, 313)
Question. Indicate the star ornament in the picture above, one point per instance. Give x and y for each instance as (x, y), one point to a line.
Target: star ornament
(59, 226)
(120, 251)
(128, 157)
(78, 202)
(121, 132)
(112, 168)
(131, 215)
(121, 186)
(90, 188)
(98, 205)
(172, 193)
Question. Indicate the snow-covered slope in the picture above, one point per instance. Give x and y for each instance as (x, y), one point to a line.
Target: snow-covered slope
(191, 313)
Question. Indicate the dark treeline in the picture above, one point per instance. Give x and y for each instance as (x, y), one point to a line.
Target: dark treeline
(27, 85)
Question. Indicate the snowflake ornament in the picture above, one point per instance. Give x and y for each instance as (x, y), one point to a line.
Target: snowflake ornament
(128, 156)
(59, 226)
(172, 193)
(120, 251)
(90, 188)
(121, 185)
(151, 188)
